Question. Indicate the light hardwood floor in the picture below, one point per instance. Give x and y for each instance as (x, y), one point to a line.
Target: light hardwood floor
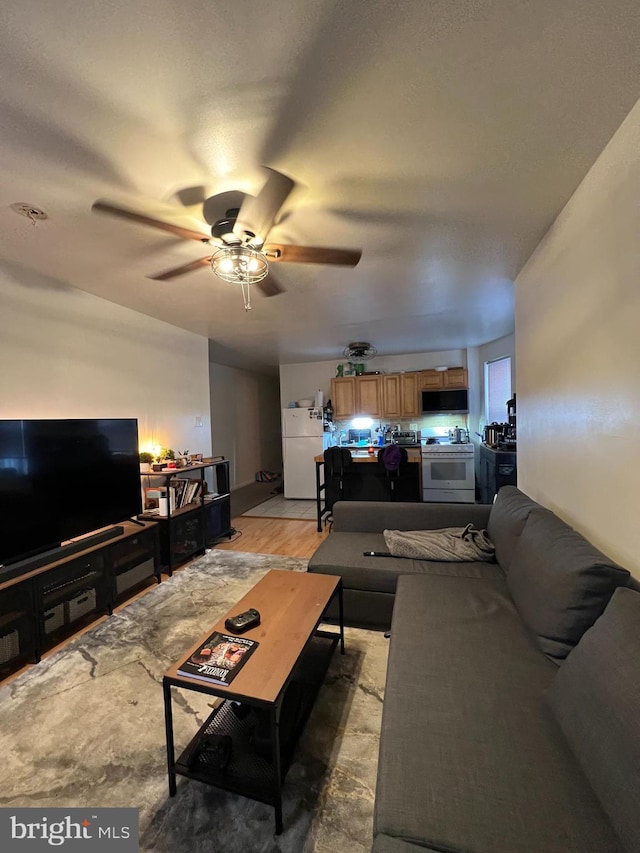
(285, 536)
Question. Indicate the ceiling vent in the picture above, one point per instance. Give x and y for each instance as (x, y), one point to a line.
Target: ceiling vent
(359, 351)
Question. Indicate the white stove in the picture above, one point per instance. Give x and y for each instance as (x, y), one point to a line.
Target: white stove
(448, 473)
(449, 447)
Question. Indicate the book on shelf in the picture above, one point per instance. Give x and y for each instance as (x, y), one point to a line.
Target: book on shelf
(219, 659)
(186, 490)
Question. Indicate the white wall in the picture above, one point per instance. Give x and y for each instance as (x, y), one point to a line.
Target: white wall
(65, 353)
(245, 418)
(578, 351)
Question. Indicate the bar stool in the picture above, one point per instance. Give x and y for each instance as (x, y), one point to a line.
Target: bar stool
(394, 458)
(337, 465)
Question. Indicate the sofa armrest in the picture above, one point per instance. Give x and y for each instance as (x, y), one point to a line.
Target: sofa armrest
(376, 516)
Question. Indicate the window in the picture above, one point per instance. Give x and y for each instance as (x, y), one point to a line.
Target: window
(497, 389)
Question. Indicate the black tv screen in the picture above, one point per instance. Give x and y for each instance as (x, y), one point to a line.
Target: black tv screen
(61, 479)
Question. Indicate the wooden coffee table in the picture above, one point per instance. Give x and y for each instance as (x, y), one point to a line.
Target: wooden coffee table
(292, 650)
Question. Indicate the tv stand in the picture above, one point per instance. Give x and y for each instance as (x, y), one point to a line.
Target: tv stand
(73, 586)
(59, 553)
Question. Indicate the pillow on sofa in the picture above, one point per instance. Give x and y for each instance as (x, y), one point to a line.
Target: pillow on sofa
(560, 583)
(596, 699)
(507, 519)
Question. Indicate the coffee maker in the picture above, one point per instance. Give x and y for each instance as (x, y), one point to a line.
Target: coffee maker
(509, 435)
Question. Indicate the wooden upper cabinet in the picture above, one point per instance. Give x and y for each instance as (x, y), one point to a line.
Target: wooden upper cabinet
(343, 397)
(400, 395)
(410, 404)
(454, 377)
(391, 396)
(431, 379)
(369, 396)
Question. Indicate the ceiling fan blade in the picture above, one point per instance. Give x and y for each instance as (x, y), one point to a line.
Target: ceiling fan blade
(123, 213)
(216, 206)
(257, 213)
(269, 286)
(278, 252)
(190, 196)
(174, 273)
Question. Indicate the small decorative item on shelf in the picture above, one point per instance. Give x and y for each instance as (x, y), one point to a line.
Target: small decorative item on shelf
(146, 459)
(166, 456)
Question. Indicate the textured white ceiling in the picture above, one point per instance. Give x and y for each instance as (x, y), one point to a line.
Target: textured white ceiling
(441, 137)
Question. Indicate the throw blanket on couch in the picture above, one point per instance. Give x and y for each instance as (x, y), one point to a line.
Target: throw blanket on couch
(449, 544)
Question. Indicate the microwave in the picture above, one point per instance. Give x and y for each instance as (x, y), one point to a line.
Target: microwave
(445, 402)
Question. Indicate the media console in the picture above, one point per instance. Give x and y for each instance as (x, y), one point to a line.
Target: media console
(48, 603)
(21, 567)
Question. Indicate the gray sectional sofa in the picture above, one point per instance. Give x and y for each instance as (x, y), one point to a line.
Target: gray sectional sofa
(511, 719)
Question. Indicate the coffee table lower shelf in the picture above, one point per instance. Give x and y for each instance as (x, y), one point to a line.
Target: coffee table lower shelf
(249, 772)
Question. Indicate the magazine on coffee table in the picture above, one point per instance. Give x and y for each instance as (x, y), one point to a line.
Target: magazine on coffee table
(219, 659)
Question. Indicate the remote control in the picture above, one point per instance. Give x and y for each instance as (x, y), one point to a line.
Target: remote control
(243, 621)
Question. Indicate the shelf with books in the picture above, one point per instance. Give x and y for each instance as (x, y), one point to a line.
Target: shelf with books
(190, 516)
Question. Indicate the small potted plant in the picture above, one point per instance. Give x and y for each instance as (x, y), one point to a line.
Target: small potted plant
(146, 459)
(167, 457)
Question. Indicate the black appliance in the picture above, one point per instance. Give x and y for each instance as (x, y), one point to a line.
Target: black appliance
(445, 402)
(61, 479)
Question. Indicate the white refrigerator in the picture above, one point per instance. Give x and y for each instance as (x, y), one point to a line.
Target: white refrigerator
(303, 437)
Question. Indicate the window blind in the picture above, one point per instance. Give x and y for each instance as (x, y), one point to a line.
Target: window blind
(497, 389)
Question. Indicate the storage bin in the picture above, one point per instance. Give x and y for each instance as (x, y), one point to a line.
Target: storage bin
(54, 618)
(9, 646)
(135, 575)
(83, 602)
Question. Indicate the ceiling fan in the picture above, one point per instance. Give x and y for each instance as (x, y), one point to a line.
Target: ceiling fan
(359, 351)
(240, 225)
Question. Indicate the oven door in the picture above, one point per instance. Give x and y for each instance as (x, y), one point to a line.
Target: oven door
(448, 471)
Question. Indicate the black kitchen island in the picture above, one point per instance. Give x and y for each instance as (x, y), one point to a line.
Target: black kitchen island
(367, 480)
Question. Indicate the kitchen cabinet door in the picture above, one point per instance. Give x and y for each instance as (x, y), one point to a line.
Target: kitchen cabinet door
(409, 404)
(455, 377)
(369, 396)
(431, 379)
(400, 395)
(391, 396)
(343, 397)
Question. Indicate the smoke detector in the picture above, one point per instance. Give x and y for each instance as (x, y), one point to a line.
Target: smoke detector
(359, 351)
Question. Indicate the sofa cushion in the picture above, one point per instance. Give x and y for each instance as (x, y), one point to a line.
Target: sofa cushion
(560, 582)
(471, 757)
(595, 697)
(374, 516)
(343, 554)
(507, 519)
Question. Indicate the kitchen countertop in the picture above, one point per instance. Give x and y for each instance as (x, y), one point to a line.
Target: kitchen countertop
(362, 455)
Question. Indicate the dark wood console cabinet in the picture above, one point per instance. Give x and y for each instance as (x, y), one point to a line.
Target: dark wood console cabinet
(187, 531)
(50, 603)
(497, 468)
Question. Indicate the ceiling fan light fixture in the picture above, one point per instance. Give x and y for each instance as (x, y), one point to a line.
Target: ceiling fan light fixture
(239, 265)
(359, 351)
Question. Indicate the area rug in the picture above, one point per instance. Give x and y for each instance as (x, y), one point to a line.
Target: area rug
(85, 727)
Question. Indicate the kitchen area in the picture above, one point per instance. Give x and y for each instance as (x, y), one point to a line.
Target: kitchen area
(426, 414)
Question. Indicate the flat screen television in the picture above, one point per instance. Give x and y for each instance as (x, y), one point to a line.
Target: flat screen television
(445, 402)
(61, 479)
